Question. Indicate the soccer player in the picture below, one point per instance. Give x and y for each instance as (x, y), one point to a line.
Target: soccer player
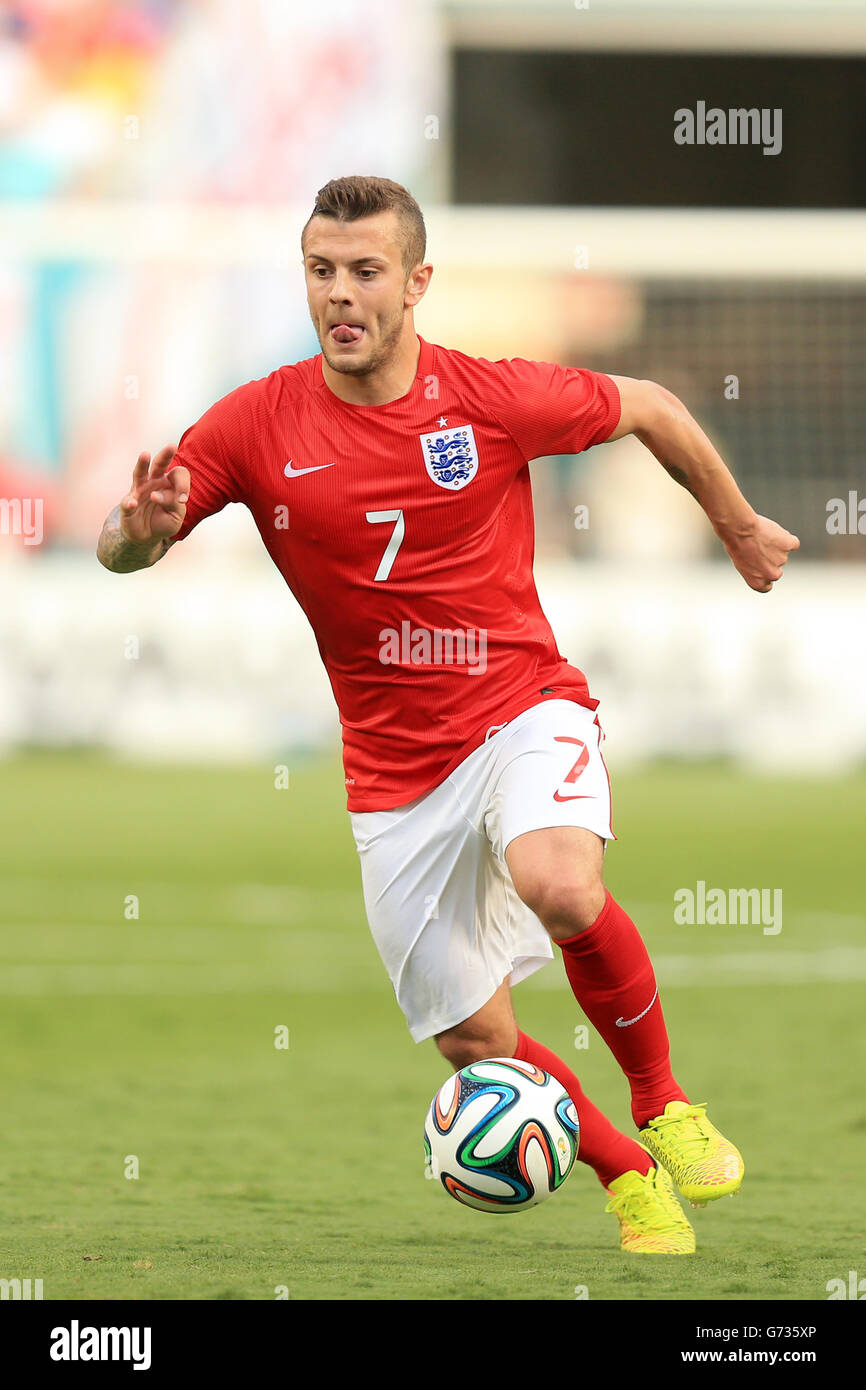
(389, 480)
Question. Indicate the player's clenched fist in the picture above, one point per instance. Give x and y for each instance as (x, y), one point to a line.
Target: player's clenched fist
(155, 506)
(760, 552)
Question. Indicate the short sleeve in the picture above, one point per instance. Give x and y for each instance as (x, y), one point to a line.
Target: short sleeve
(204, 451)
(550, 409)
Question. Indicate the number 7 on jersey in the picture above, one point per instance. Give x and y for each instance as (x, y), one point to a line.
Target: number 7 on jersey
(390, 555)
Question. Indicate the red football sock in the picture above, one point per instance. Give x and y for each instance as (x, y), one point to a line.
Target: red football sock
(604, 1148)
(610, 972)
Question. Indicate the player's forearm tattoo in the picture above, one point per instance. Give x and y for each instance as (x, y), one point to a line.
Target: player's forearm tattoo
(678, 476)
(121, 555)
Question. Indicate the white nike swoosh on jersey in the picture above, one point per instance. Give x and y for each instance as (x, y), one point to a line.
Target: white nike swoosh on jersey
(291, 472)
(627, 1022)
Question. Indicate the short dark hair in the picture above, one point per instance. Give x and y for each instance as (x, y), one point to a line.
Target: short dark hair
(362, 196)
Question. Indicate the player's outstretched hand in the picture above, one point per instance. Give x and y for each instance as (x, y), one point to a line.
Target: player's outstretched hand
(760, 552)
(155, 506)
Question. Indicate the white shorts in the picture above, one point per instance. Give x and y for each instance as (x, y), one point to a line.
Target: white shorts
(440, 901)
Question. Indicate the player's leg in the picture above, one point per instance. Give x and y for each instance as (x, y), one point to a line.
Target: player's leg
(552, 840)
(450, 929)
(651, 1220)
(490, 1032)
(557, 872)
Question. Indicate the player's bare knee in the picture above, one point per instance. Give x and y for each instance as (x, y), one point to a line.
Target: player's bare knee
(462, 1048)
(569, 906)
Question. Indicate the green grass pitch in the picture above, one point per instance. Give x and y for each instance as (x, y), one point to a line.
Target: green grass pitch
(150, 1040)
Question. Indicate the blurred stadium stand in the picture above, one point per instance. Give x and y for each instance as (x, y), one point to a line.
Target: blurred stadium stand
(157, 160)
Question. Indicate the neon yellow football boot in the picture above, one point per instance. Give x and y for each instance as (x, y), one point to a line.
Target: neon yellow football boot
(702, 1162)
(651, 1220)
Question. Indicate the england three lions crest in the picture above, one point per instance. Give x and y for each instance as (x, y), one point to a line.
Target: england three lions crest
(451, 456)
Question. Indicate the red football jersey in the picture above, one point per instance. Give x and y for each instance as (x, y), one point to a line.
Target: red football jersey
(406, 533)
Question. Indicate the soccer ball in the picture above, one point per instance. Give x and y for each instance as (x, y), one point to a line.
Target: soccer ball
(501, 1135)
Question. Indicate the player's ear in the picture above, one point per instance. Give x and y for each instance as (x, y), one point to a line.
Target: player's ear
(416, 285)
